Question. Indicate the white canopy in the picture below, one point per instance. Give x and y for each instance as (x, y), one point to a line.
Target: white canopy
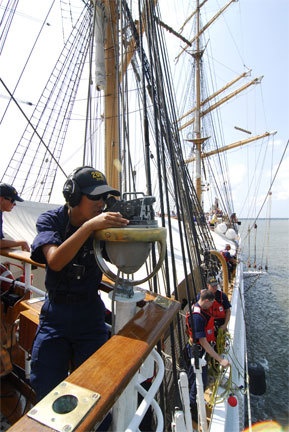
(20, 223)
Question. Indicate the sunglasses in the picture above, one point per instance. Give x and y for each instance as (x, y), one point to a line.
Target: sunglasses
(12, 200)
(97, 197)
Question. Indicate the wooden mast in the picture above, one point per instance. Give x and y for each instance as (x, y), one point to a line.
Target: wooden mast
(196, 121)
(114, 75)
(198, 141)
(112, 152)
(198, 34)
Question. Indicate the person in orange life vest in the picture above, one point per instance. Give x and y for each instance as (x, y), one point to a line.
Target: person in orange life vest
(198, 343)
(8, 198)
(221, 308)
(209, 329)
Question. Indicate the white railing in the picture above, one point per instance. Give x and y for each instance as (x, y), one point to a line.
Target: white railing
(149, 398)
(25, 285)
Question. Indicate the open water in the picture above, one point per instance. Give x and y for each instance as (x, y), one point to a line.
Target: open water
(267, 317)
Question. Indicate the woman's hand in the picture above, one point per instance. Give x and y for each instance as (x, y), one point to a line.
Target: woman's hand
(107, 220)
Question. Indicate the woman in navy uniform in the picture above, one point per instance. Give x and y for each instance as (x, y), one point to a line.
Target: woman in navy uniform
(72, 320)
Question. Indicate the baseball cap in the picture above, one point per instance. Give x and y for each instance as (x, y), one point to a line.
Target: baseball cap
(212, 281)
(9, 191)
(93, 182)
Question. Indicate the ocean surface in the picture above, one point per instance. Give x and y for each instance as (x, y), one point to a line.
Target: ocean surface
(267, 315)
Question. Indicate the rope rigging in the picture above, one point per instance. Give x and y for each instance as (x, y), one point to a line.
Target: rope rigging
(173, 175)
(49, 121)
(28, 60)
(6, 20)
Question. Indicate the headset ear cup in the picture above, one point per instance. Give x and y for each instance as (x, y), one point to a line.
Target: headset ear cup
(67, 190)
(71, 192)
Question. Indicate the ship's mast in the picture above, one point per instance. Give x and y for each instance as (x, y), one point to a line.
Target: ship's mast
(198, 140)
(112, 153)
(199, 113)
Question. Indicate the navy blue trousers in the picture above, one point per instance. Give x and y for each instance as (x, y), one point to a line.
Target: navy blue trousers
(192, 378)
(68, 334)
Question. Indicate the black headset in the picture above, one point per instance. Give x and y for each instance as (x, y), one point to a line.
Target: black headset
(71, 190)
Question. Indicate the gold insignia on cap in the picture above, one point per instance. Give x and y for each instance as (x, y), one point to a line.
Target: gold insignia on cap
(97, 175)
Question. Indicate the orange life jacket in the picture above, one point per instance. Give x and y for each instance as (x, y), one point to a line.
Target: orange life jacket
(217, 310)
(209, 327)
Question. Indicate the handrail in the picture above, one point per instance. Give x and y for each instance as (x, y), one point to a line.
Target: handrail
(20, 255)
(24, 257)
(23, 285)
